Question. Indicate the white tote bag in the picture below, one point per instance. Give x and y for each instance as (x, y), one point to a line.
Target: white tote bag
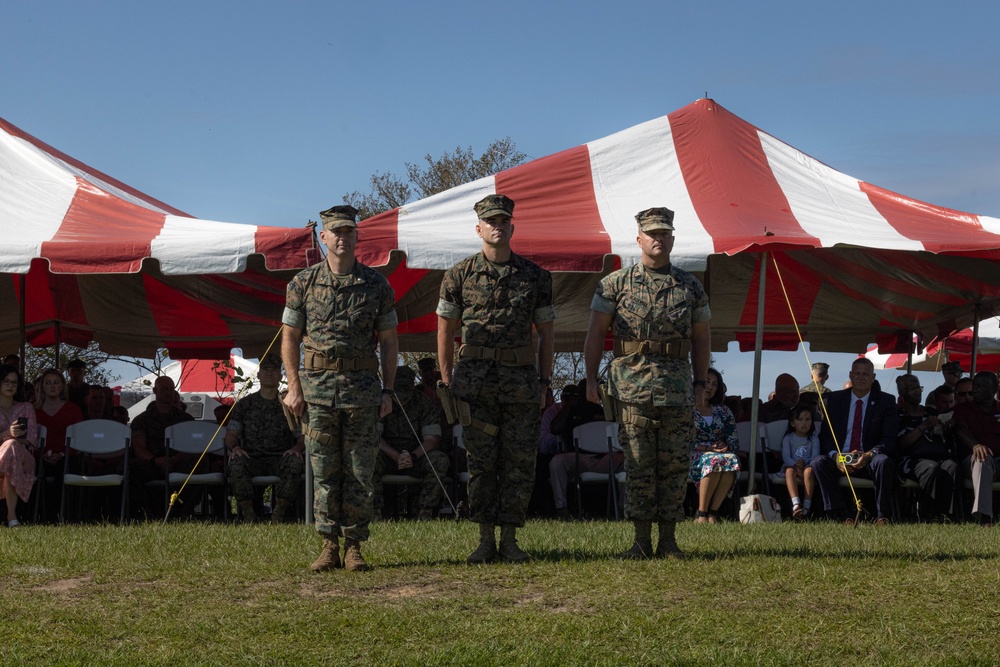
(759, 508)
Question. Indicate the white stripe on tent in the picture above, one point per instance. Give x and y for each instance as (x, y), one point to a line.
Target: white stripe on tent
(438, 232)
(37, 194)
(190, 245)
(636, 169)
(828, 204)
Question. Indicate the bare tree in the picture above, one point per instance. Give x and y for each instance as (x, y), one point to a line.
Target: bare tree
(388, 191)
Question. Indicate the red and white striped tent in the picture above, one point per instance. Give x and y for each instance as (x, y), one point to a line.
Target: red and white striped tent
(92, 259)
(859, 263)
(956, 347)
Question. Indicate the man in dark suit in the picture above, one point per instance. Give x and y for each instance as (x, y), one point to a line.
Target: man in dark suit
(865, 421)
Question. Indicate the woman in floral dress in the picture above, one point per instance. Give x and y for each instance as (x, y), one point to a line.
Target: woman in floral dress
(713, 457)
(17, 438)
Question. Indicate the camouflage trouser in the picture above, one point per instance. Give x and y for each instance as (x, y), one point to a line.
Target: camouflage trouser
(431, 494)
(342, 470)
(502, 467)
(289, 468)
(656, 463)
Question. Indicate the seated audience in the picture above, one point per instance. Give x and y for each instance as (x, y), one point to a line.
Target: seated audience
(977, 429)
(863, 421)
(18, 435)
(148, 459)
(402, 453)
(714, 463)
(925, 456)
(260, 443)
(786, 396)
(951, 373)
(963, 391)
(575, 410)
(95, 403)
(76, 389)
(56, 413)
(798, 448)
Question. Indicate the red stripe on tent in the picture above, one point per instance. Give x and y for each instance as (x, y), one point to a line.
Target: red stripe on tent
(936, 227)
(377, 237)
(265, 288)
(802, 284)
(177, 315)
(557, 187)
(21, 134)
(419, 325)
(729, 180)
(206, 375)
(282, 246)
(124, 231)
(54, 298)
(403, 278)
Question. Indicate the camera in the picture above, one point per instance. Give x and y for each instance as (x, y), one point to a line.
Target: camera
(852, 458)
(22, 422)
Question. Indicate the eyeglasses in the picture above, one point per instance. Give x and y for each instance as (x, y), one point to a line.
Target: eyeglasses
(9, 382)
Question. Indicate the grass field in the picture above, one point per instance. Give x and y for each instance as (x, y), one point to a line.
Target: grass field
(787, 594)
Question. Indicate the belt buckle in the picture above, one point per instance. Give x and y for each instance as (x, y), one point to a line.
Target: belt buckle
(497, 354)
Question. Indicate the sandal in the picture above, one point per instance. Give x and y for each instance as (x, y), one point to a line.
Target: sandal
(713, 516)
(798, 513)
(701, 517)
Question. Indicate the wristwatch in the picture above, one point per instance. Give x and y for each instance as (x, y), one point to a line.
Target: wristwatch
(545, 382)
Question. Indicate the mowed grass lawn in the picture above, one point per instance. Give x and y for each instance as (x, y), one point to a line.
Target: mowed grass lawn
(788, 594)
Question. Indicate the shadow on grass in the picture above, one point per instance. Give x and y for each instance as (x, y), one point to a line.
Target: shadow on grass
(854, 554)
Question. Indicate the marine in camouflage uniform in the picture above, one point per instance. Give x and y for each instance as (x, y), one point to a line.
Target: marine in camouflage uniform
(340, 310)
(260, 443)
(497, 296)
(820, 374)
(658, 314)
(400, 452)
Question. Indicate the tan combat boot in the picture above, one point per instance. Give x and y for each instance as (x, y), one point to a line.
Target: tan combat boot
(353, 561)
(667, 546)
(508, 544)
(642, 546)
(246, 509)
(280, 509)
(487, 549)
(329, 558)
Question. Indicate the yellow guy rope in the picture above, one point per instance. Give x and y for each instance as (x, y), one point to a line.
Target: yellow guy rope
(175, 497)
(822, 403)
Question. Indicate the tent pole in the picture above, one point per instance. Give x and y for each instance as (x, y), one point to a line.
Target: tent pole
(975, 337)
(758, 352)
(58, 345)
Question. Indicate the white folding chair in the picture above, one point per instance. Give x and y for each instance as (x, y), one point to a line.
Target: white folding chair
(594, 438)
(195, 437)
(96, 441)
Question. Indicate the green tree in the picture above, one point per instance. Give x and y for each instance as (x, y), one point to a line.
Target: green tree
(38, 360)
(388, 191)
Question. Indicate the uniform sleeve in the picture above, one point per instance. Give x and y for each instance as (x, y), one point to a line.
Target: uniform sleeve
(429, 419)
(387, 318)
(294, 314)
(450, 301)
(604, 298)
(544, 310)
(701, 311)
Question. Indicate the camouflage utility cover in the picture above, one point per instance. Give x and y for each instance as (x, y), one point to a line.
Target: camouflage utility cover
(662, 307)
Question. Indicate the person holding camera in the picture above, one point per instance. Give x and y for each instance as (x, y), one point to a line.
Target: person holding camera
(863, 425)
(18, 431)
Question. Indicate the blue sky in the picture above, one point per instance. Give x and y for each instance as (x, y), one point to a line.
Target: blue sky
(266, 113)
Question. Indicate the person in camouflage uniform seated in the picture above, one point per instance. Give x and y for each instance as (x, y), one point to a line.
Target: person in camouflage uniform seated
(820, 373)
(659, 314)
(340, 310)
(260, 443)
(496, 296)
(400, 452)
